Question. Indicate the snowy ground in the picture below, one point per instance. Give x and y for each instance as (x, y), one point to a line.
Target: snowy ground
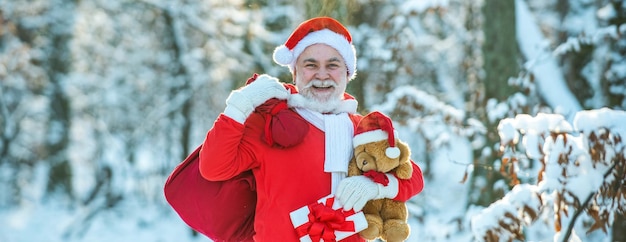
(134, 221)
(131, 222)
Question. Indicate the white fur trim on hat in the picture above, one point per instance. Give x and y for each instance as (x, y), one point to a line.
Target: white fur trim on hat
(374, 136)
(368, 137)
(285, 57)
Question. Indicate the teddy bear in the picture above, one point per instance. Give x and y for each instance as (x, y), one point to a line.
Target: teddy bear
(378, 152)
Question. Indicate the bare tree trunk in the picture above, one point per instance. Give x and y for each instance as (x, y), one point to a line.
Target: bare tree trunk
(615, 99)
(57, 65)
(619, 228)
(180, 72)
(500, 48)
(500, 54)
(339, 9)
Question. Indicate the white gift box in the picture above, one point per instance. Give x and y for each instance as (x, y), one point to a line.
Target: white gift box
(326, 221)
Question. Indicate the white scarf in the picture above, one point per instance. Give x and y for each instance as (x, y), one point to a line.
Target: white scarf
(339, 130)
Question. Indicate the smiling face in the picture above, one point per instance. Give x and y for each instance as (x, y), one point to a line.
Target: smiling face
(321, 74)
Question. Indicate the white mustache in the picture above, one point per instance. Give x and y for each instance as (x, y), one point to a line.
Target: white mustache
(320, 83)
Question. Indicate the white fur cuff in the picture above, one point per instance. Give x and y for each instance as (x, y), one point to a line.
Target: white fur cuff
(235, 114)
(391, 190)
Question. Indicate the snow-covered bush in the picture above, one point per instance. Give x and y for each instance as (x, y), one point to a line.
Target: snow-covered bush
(582, 172)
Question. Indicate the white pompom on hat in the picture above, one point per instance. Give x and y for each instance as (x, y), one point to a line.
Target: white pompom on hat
(320, 30)
(374, 127)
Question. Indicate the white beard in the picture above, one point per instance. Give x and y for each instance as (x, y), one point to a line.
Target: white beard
(334, 103)
(332, 106)
(328, 106)
(320, 104)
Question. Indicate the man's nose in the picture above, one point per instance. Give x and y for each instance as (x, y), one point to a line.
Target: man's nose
(322, 73)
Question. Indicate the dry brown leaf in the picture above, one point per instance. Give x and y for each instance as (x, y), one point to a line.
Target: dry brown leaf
(598, 224)
(465, 176)
(530, 212)
(505, 161)
(514, 179)
(557, 222)
(491, 237)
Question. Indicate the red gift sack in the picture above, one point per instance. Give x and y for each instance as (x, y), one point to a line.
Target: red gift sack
(222, 211)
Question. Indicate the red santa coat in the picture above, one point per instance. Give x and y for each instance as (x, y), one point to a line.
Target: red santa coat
(286, 178)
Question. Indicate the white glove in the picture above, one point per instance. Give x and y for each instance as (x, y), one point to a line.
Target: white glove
(353, 192)
(241, 102)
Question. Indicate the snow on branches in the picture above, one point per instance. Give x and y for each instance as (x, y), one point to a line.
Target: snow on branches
(583, 170)
(506, 217)
(429, 116)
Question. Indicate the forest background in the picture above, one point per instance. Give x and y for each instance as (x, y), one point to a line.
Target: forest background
(101, 99)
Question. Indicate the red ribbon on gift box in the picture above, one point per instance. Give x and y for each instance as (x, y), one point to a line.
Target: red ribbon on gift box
(324, 221)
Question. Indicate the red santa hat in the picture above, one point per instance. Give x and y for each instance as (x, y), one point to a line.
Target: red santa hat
(320, 30)
(374, 127)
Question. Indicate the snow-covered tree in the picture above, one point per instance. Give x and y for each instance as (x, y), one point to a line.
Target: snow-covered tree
(579, 183)
(100, 99)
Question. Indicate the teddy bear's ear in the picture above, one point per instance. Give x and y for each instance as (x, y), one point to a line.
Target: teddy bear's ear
(353, 169)
(405, 151)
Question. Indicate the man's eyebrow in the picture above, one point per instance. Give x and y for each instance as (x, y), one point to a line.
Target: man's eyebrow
(334, 59)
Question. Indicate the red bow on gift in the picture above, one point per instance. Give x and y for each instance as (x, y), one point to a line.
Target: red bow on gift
(377, 177)
(324, 221)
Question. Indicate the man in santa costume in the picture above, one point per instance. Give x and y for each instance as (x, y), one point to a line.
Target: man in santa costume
(322, 60)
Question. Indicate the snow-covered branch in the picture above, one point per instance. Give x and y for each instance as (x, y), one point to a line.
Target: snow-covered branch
(541, 63)
(583, 169)
(506, 217)
(426, 114)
